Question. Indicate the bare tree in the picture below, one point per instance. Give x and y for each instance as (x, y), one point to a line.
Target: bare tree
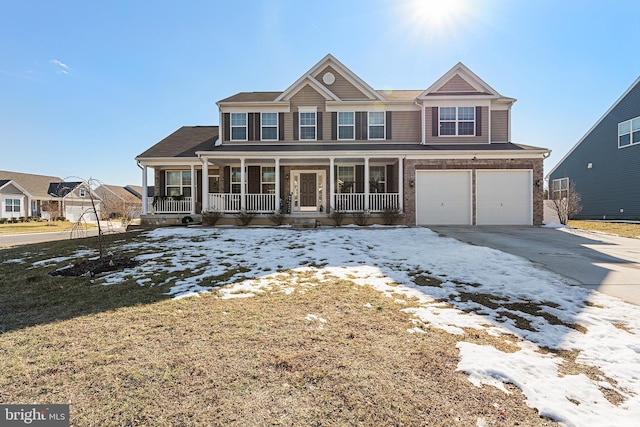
(566, 200)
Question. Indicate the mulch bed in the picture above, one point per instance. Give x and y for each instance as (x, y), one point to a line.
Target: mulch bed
(89, 267)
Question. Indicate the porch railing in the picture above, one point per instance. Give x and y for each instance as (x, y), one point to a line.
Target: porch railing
(219, 202)
(378, 202)
(170, 205)
(259, 203)
(349, 202)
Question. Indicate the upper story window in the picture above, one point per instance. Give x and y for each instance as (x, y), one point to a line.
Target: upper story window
(457, 121)
(82, 192)
(12, 205)
(376, 125)
(308, 125)
(346, 125)
(629, 132)
(560, 188)
(238, 126)
(178, 183)
(269, 125)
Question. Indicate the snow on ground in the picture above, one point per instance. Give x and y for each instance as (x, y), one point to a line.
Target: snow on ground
(475, 287)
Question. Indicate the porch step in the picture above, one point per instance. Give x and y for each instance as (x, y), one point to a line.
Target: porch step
(304, 223)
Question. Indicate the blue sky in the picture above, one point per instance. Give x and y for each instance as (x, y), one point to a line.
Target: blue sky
(86, 86)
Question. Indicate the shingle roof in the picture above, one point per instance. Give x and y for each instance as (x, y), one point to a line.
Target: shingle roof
(61, 189)
(184, 142)
(252, 97)
(399, 95)
(106, 192)
(36, 185)
(415, 147)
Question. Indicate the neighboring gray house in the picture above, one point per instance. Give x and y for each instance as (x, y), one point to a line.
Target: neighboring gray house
(604, 165)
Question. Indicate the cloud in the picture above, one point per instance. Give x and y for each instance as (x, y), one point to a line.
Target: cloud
(59, 63)
(63, 68)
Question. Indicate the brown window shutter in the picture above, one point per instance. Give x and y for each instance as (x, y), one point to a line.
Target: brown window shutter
(391, 179)
(199, 186)
(364, 122)
(256, 123)
(281, 126)
(358, 125)
(359, 178)
(388, 125)
(250, 128)
(434, 121)
(296, 130)
(319, 125)
(478, 121)
(162, 191)
(227, 126)
(227, 179)
(334, 126)
(253, 179)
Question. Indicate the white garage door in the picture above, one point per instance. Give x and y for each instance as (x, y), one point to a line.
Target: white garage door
(504, 197)
(443, 197)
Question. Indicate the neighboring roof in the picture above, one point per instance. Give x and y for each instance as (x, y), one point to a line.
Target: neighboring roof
(105, 192)
(3, 182)
(399, 95)
(184, 142)
(137, 190)
(36, 185)
(61, 189)
(615, 104)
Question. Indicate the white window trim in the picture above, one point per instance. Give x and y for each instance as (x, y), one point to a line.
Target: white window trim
(12, 204)
(457, 121)
(262, 126)
(352, 166)
(313, 110)
(82, 192)
(232, 126)
(352, 126)
(630, 133)
(182, 185)
(262, 182)
(560, 189)
(384, 126)
(384, 174)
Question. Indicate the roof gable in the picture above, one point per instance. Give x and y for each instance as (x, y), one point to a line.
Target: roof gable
(459, 80)
(315, 74)
(35, 185)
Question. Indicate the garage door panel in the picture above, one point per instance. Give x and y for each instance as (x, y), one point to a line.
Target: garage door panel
(504, 197)
(443, 197)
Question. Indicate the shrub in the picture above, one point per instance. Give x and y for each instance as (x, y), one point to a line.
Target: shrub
(211, 218)
(4, 220)
(337, 216)
(244, 218)
(277, 218)
(390, 215)
(361, 218)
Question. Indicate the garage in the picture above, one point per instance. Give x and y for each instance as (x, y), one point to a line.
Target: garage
(504, 197)
(443, 197)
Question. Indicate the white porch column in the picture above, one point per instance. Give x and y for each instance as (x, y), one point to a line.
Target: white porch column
(145, 192)
(205, 184)
(366, 183)
(277, 192)
(193, 189)
(243, 195)
(400, 184)
(332, 184)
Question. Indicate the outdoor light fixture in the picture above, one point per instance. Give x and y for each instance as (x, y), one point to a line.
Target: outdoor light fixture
(411, 183)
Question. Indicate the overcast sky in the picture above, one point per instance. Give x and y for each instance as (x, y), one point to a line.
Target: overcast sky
(87, 86)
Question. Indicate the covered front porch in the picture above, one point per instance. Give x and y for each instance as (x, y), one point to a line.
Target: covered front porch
(290, 185)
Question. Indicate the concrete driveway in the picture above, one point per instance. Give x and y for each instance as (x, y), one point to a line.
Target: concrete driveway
(597, 261)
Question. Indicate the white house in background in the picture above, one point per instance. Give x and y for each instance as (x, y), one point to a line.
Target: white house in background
(442, 155)
(29, 195)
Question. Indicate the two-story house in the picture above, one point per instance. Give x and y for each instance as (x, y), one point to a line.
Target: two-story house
(331, 142)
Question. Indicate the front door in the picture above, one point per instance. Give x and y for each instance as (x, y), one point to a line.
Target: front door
(308, 190)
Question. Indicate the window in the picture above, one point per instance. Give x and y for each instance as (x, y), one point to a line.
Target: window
(238, 126)
(308, 125)
(269, 123)
(236, 179)
(346, 179)
(82, 192)
(268, 179)
(629, 132)
(560, 188)
(457, 121)
(377, 182)
(214, 183)
(12, 205)
(178, 183)
(346, 125)
(376, 125)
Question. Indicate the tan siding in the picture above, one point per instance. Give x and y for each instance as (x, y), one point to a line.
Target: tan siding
(326, 126)
(457, 84)
(341, 87)
(405, 126)
(288, 126)
(458, 140)
(500, 126)
(307, 97)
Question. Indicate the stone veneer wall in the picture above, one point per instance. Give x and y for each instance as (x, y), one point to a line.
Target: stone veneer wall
(410, 166)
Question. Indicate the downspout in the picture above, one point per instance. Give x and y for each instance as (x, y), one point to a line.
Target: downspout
(422, 126)
(145, 191)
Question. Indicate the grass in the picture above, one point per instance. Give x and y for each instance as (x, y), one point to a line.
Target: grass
(618, 228)
(125, 354)
(39, 227)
